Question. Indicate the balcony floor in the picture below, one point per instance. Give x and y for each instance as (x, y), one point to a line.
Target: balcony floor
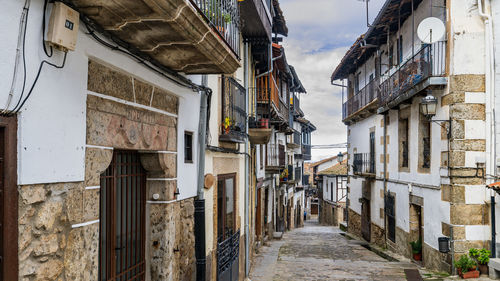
(170, 31)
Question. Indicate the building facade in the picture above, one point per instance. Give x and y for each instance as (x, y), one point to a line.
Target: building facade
(332, 184)
(415, 176)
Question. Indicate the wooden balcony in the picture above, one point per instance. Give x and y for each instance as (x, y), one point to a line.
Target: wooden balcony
(189, 36)
(269, 103)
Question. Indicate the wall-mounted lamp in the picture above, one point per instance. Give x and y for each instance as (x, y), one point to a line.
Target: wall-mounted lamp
(340, 157)
(428, 107)
(177, 192)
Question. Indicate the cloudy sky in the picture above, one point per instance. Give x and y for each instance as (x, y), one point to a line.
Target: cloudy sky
(320, 33)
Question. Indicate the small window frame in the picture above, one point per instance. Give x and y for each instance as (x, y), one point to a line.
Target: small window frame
(188, 157)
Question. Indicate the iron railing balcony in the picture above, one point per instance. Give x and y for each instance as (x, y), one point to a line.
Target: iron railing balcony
(361, 99)
(414, 75)
(224, 18)
(234, 116)
(306, 152)
(275, 157)
(364, 163)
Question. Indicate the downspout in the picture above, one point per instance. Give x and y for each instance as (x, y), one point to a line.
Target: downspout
(199, 203)
(490, 124)
(247, 172)
(385, 176)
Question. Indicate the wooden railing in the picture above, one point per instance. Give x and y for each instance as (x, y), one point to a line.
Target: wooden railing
(267, 90)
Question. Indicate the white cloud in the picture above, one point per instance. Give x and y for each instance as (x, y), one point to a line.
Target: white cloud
(320, 32)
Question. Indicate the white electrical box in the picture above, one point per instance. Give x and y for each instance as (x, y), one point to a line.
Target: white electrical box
(63, 27)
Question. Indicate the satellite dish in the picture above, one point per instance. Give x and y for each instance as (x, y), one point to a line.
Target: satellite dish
(431, 30)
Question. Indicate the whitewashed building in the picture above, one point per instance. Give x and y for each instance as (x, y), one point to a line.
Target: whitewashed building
(416, 176)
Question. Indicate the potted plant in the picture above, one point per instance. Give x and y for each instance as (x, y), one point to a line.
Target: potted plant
(226, 126)
(482, 257)
(284, 175)
(416, 248)
(466, 267)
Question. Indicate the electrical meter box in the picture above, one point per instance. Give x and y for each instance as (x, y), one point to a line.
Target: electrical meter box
(63, 27)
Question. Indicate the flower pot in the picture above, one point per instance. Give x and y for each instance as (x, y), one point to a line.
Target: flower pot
(264, 123)
(470, 274)
(417, 256)
(483, 269)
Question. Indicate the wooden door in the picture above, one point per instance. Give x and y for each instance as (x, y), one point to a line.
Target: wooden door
(258, 222)
(365, 220)
(122, 226)
(8, 199)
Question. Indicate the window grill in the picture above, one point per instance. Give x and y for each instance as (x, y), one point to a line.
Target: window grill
(363, 163)
(234, 115)
(122, 219)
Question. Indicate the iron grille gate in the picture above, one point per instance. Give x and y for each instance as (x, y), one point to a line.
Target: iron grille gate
(228, 258)
(391, 217)
(122, 219)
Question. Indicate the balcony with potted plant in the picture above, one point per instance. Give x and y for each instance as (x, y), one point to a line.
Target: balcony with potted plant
(234, 117)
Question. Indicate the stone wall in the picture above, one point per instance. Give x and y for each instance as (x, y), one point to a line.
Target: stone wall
(327, 213)
(354, 223)
(435, 260)
(466, 101)
(377, 235)
(58, 223)
(402, 243)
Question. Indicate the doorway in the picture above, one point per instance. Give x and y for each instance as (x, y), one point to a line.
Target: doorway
(366, 220)
(258, 222)
(8, 199)
(122, 226)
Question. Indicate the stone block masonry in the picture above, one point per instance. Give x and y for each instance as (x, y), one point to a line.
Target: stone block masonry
(59, 222)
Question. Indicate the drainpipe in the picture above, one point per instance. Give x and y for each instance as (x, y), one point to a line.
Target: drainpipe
(271, 67)
(247, 166)
(490, 124)
(199, 203)
(385, 175)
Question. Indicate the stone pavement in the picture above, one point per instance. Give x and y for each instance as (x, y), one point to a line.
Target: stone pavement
(322, 253)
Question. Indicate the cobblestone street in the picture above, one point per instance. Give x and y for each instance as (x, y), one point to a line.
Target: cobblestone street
(317, 252)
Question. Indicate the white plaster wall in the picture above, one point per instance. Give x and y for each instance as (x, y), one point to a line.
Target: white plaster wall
(52, 125)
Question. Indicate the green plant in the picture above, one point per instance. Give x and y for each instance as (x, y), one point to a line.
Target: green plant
(214, 9)
(416, 246)
(465, 263)
(482, 256)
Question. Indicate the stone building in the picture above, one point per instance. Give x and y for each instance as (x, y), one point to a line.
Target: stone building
(415, 174)
(100, 154)
(332, 184)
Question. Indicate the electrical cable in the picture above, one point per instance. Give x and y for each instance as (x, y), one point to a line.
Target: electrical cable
(43, 31)
(17, 109)
(21, 43)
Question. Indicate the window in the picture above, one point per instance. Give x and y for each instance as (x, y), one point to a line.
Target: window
(226, 203)
(372, 153)
(188, 147)
(404, 143)
(234, 115)
(400, 49)
(391, 56)
(261, 151)
(424, 159)
(356, 83)
(331, 191)
(404, 139)
(122, 217)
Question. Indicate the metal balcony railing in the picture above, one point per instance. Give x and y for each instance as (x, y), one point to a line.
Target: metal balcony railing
(363, 163)
(306, 152)
(296, 138)
(224, 18)
(291, 176)
(234, 117)
(364, 97)
(430, 61)
(275, 155)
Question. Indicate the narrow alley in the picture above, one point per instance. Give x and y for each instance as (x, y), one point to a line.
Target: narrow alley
(317, 252)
